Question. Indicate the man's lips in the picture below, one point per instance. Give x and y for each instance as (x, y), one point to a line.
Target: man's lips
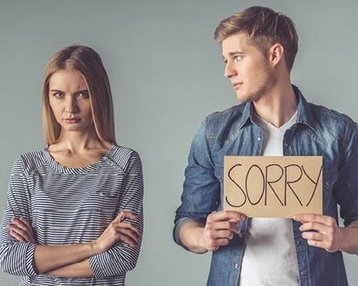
(236, 85)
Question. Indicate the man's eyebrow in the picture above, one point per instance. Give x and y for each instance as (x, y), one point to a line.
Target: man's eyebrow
(235, 53)
(232, 54)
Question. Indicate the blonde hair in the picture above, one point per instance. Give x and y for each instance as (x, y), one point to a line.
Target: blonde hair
(264, 28)
(88, 63)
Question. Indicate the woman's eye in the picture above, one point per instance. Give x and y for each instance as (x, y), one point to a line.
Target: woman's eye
(83, 94)
(58, 94)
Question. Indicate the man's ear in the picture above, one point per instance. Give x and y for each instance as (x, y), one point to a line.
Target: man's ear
(276, 54)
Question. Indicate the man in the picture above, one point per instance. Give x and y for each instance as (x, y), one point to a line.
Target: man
(259, 47)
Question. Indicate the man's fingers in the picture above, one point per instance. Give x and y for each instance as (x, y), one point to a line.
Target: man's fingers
(313, 226)
(303, 218)
(222, 241)
(313, 235)
(225, 216)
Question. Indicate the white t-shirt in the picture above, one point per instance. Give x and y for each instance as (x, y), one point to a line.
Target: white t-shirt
(270, 254)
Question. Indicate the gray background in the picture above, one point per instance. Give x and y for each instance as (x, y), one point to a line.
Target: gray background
(166, 74)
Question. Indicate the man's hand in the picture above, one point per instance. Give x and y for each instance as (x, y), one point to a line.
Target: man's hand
(219, 229)
(320, 231)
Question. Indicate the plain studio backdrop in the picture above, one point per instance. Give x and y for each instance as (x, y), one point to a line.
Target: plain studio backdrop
(166, 74)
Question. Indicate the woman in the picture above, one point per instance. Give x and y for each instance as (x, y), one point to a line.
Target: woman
(74, 209)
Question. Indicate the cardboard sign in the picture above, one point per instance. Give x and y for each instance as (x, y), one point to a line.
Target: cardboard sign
(269, 186)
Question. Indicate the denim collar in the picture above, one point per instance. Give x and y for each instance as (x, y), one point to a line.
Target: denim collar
(304, 114)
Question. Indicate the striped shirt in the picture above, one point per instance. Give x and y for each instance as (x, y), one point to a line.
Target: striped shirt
(70, 206)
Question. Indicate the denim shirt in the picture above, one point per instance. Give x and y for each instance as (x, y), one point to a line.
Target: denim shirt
(318, 132)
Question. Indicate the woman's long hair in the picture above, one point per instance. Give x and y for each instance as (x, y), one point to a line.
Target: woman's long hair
(88, 63)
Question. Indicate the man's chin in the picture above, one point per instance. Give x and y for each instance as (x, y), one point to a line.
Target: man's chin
(242, 98)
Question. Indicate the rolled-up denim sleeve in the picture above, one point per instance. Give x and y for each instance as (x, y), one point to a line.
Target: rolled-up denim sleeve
(201, 190)
(16, 257)
(346, 187)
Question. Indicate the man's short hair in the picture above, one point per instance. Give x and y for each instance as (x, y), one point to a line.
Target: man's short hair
(264, 28)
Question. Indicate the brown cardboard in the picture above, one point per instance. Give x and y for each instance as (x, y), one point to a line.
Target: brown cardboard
(273, 186)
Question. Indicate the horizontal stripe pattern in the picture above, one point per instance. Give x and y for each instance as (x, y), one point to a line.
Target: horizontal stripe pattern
(70, 206)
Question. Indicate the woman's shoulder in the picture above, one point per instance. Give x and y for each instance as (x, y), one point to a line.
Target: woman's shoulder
(28, 161)
(123, 156)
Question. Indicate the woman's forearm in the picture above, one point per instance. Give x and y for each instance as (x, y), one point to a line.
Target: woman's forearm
(48, 258)
(79, 269)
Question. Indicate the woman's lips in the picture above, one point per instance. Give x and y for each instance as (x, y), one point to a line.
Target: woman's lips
(71, 120)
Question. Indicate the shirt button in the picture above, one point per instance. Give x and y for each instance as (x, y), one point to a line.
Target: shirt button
(258, 138)
(236, 265)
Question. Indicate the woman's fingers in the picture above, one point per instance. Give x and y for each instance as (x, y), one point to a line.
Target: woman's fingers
(128, 233)
(125, 215)
(21, 230)
(15, 233)
(19, 234)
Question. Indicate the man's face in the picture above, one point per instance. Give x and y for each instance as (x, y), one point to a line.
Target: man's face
(249, 71)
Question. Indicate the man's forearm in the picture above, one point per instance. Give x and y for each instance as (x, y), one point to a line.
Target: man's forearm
(349, 241)
(190, 234)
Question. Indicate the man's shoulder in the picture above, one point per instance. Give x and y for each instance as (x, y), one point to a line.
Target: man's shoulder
(328, 117)
(331, 125)
(221, 119)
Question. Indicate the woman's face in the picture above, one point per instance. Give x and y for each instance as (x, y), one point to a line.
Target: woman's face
(69, 101)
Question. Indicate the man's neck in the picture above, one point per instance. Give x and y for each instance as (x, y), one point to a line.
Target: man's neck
(278, 106)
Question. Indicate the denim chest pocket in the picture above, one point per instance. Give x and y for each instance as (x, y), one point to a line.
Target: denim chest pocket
(329, 178)
(219, 171)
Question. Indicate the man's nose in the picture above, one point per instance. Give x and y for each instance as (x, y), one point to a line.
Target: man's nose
(229, 70)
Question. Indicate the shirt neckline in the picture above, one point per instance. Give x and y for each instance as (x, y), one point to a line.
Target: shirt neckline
(272, 129)
(76, 170)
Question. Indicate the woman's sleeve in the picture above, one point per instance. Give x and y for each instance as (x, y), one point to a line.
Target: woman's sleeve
(121, 257)
(16, 257)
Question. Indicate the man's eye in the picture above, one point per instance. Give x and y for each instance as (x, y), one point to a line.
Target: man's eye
(237, 58)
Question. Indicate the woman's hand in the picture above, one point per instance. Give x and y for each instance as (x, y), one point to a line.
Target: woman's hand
(120, 229)
(21, 230)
